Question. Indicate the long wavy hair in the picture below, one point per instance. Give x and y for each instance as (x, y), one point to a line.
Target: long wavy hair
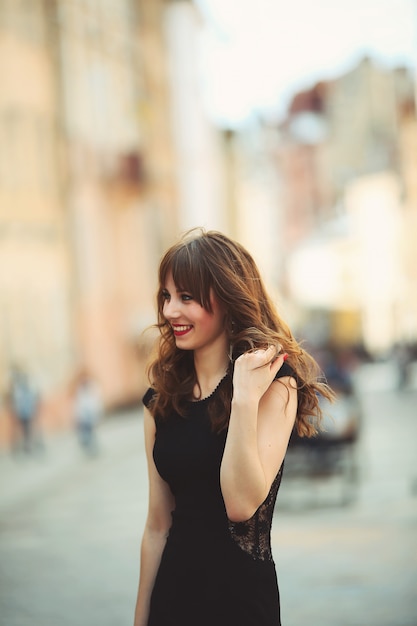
(204, 263)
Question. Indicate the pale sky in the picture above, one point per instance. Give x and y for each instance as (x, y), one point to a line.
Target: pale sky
(256, 53)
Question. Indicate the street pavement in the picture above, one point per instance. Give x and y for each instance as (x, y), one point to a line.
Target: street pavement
(70, 528)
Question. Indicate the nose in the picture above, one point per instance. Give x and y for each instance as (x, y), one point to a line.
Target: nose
(170, 309)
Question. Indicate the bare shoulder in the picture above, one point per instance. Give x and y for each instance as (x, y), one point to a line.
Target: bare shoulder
(282, 392)
(278, 407)
(276, 417)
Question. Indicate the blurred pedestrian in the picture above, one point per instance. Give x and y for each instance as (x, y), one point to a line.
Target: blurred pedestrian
(24, 402)
(402, 358)
(229, 383)
(88, 409)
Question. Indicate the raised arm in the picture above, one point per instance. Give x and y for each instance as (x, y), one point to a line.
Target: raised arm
(262, 417)
(158, 523)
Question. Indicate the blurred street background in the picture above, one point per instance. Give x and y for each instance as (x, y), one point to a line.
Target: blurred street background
(70, 527)
(291, 127)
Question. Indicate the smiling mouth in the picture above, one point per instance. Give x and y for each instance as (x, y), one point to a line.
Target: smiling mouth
(179, 331)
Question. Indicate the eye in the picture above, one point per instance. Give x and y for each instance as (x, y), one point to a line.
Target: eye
(165, 294)
(186, 297)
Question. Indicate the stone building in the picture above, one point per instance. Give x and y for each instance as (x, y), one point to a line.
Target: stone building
(106, 156)
(36, 325)
(87, 193)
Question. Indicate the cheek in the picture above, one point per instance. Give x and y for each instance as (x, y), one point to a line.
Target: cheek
(211, 322)
(204, 319)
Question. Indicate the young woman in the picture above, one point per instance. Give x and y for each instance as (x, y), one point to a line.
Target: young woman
(228, 384)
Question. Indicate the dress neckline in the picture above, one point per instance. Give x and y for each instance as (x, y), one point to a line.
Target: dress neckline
(211, 394)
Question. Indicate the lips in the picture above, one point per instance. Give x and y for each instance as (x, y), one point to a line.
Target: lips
(180, 331)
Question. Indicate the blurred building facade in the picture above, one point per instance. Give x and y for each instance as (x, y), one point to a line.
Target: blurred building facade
(198, 143)
(348, 168)
(253, 192)
(36, 327)
(88, 192)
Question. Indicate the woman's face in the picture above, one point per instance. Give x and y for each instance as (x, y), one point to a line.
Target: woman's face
(193, 326)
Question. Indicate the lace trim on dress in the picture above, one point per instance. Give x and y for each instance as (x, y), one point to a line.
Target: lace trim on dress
(254, 535)
(210, 395)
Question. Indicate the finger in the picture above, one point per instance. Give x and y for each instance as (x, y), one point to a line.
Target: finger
(264, 356)
(279, 361)
(258, 353)
(265, 351)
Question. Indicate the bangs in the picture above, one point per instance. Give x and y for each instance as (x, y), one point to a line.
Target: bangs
(190, 273)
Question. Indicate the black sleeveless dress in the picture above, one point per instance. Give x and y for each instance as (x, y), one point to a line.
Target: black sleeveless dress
(213, 572)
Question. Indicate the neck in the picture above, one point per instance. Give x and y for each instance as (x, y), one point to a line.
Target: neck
(210, 369)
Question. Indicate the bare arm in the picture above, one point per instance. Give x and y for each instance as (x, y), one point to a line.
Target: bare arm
(262, 417)
(158, 522)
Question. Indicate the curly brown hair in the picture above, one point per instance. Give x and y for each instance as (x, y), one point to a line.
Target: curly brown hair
(208, 262)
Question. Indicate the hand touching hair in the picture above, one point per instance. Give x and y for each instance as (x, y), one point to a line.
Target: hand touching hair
(208, 262)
